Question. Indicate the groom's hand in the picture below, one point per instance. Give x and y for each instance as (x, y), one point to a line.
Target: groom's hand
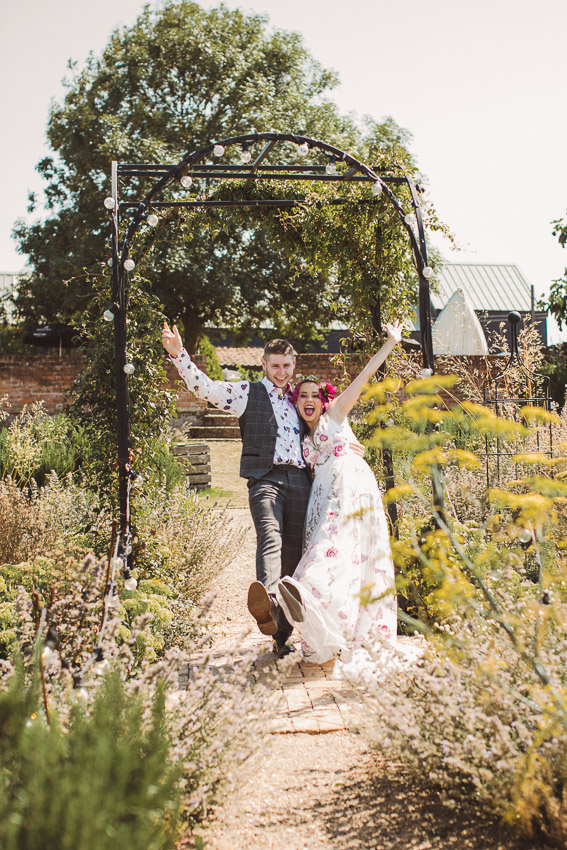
(171, 340)
(357, 448)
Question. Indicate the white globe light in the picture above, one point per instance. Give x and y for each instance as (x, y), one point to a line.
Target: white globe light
(303, 149)
(376, 188)
(245, 156)
(101, 667)
(110, 262)
(48, 654)
(129, 264)
(331, 167)
(80, 696)
(427, 272)
(129, 368)
(426, 373)
(131, 583)
(408, 218)
(525, 536)
(108, 316)
(109, 203)
(218, 150)
(186, 181)
(137, 481)
(152, 219)
(113, 602)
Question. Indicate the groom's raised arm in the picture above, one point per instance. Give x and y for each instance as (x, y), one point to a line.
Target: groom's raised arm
(226, 395)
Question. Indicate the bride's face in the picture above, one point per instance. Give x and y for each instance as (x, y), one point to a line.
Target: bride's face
(309, 405)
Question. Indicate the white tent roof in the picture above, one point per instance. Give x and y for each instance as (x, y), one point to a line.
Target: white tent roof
(457, 329)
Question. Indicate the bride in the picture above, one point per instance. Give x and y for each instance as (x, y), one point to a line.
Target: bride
(347, 549)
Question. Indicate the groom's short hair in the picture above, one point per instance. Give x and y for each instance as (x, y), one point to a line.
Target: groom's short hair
(278, 346)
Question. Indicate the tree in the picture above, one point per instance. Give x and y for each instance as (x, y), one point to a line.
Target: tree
(178, 78)
(557, 303)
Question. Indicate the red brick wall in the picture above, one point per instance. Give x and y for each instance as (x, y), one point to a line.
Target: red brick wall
(45, 377)
(25, 379)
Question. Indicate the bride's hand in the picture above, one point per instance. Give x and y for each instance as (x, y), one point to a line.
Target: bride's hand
(394, 332)
(171, 340)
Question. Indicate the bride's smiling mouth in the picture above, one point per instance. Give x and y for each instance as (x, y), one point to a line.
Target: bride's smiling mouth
(309, 409)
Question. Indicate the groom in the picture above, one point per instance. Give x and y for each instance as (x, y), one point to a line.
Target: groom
(272, 462)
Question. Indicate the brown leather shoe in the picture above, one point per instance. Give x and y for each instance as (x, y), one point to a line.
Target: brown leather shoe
(260, 606)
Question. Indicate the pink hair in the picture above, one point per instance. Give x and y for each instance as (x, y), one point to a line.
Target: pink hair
(327, 392)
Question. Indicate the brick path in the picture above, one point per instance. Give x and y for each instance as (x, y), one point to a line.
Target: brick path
(313, 700)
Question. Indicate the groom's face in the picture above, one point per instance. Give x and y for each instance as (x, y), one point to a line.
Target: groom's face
(279, 368)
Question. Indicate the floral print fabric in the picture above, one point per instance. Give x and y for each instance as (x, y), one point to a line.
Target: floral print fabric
(347, 551)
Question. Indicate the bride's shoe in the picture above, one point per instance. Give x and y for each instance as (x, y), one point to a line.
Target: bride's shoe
(291, 595)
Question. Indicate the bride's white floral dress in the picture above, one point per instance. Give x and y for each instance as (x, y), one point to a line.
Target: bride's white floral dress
(347, 551)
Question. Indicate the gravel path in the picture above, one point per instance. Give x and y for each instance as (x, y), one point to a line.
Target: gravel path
(320, 786)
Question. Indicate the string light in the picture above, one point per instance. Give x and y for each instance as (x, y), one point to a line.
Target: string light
(427, 271)
(186, 181)
(101, 663)
(152, 219)
(525, 536)
(376, 188)
(408, 218)
(110, 262)
(218, 150)
(130, 582)
(129, 368)
(137, 481)
(80, 696)
(129, 264)
(110, 313)
(426, 373)
(303, 149)
(245, 156)
(331, 167)
(48, 654)
(109, 203)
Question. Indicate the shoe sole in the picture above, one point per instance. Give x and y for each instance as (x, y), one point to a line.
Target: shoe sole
(260, 608)
(292, 598)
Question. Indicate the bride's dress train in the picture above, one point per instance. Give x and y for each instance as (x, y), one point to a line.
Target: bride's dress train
(347, 557)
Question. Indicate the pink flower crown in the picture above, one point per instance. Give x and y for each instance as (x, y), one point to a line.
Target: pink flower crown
(327, 392)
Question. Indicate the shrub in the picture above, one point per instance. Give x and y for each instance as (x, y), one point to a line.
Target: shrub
(101, 781)
(484, 712)
(117, 724)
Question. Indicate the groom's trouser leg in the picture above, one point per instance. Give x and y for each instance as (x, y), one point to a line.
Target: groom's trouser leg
(278, 503)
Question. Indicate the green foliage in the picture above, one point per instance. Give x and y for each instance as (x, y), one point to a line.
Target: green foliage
(36, 444)
(213, 370)
(557, 300)
(178, 78)
(102, 781)
(93, 394)
(484, 712)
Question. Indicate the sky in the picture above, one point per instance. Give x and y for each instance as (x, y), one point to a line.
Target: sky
(480, 86)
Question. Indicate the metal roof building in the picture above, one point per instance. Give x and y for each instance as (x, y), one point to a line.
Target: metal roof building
(493, 290)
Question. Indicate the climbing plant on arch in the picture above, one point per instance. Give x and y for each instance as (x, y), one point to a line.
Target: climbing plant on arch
(154, 188)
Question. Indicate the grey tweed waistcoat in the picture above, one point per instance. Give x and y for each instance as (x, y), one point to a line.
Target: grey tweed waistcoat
(259, 431)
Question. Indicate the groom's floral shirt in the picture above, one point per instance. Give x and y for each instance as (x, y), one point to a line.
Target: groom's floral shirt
(232, 396)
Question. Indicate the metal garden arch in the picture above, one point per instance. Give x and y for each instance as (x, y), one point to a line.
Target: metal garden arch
(340, 167)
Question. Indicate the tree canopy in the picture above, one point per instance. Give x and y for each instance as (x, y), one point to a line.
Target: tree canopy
(177, 79)
(557, 303)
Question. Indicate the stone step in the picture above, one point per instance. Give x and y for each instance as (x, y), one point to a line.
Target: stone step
(215, 433)
(220, 419)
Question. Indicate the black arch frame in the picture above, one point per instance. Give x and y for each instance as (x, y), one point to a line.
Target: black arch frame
(192, 164)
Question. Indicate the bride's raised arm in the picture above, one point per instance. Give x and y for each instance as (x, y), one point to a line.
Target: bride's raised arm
(342, 405)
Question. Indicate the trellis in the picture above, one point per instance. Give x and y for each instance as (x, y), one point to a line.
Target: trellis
(340, 167)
